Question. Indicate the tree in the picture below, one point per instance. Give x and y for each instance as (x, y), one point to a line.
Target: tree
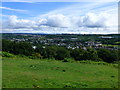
(7, 45)
(62, 53)
(17, 47)
(75, 54)
(78, 54)
(92, 55)
(50, 52)
(107, 55)
(40, 49)
(23, 48)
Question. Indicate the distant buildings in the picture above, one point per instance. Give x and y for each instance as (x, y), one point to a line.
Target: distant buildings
(106, 37)
(68, 42)
(34, 47)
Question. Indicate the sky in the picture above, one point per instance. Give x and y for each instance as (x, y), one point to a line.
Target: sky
(59, 17)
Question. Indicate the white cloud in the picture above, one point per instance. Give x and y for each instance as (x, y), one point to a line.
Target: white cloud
(93, 20)
(14, 23)
(17, 10)
(77, 19)
(2, 15)
(17, 0)
(59, 0)
(58, 20)
(89, 20)
(90, 23)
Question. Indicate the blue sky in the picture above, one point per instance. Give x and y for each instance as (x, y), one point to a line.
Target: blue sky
(60, 17)
(33, 9)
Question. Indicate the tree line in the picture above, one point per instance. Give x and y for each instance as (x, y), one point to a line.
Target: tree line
(60, 53)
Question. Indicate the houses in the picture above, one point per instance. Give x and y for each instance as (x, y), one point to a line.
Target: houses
(34, 47)
(105, 37)
(94, 44)
(68, 41)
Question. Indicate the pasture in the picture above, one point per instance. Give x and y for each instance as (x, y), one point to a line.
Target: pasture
(22, 72)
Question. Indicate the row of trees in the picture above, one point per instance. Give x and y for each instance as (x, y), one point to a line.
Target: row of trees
(17, 47)
(59, 53)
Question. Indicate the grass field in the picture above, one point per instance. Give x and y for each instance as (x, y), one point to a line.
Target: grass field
(32, 73)
(111, 45)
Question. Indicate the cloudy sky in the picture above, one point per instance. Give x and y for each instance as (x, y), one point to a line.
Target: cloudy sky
(60, 17)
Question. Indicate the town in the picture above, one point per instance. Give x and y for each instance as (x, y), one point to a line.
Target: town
(67, 40)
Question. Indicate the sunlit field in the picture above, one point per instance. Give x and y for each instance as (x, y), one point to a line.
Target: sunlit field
(23, 72)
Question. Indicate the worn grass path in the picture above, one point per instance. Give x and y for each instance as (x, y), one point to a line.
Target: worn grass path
(31, 73)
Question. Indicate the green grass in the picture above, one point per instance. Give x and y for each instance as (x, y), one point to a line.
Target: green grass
(22, 72)
(117, 42)
(111, 45)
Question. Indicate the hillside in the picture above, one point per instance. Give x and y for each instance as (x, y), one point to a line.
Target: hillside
(23, 72)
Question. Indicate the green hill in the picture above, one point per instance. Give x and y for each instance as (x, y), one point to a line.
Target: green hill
(22, 72)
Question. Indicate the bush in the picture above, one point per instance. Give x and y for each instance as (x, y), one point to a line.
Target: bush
(6, 54)
(0, 53)
(36, 55)
(93, 62)
(68, 60)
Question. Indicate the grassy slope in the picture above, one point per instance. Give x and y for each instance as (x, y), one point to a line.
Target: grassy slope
(111, 45)
(27, 73)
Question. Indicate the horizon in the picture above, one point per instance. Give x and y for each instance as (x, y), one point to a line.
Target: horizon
(60, 17)
(59, 34)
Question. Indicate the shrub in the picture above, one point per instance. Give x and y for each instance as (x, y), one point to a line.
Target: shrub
(36, 55)
(0, 53)
(6, 54)
(68, 60)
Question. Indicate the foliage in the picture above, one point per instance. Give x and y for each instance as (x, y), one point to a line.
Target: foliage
(62, 53)
(6, 54)
(92, 55)
(89, 54)
(36, 55)
(17, 47)
(40, 49)
(50, 52)
(107, 55)
(23, 48)
(68, 60)
(7, 45)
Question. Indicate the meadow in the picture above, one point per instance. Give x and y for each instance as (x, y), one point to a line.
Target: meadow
(23, 72)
